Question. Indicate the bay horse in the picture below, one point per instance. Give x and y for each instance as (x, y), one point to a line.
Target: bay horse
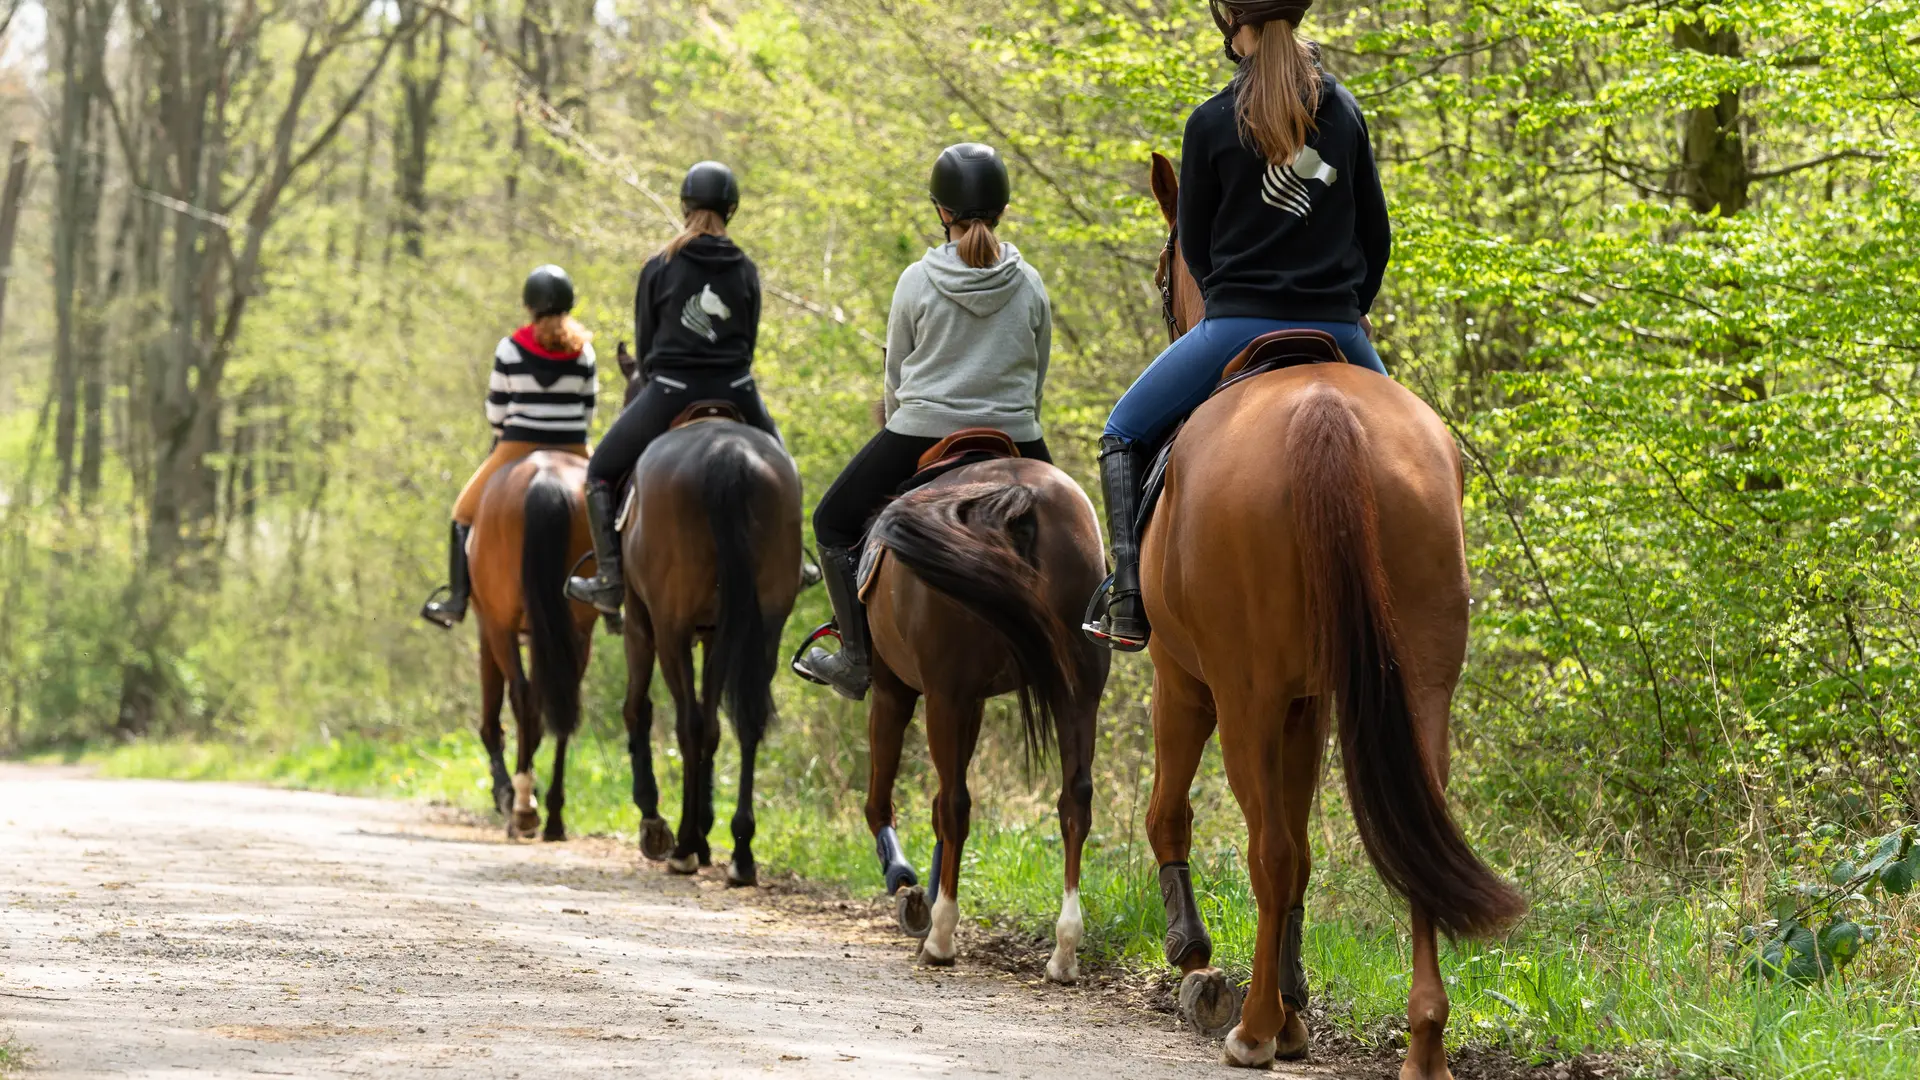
(983, 571)
(530, 530)
(1270, 591)
(709, 556)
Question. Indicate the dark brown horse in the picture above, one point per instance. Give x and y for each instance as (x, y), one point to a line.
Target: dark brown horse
(1271, 591)
(985, 570)
(530, 530)
(710, 557)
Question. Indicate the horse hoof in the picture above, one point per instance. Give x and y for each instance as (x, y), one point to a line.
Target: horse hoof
(1207, 1001)
(1246, 1055)
(931, 960)
(526, 823)
(1065, 975)
(911, 911)
(656, 840)
(554, 834)
(740, 880)
(683, 864)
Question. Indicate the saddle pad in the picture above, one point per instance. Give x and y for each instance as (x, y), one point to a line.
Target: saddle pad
(629, 505)
(870, 559)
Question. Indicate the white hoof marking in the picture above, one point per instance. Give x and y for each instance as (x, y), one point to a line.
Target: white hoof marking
(684, 864)
(1245, 1054)
(523, 798)
(1064, 967)
(946, 916)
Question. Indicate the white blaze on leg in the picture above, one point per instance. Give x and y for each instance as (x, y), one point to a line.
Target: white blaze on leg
(946, 916)
(1065, 965)
(523, 792)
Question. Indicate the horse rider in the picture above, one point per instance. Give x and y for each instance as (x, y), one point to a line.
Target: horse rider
(696, 316)
(967, 343)
(1282, 222)
(540, 397)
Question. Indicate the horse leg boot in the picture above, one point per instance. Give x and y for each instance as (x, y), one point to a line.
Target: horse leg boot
(604, 590)
(849, 670)
(1124, 626)
(448, 612)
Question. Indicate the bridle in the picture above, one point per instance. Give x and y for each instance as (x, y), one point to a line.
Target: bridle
(1167, 255)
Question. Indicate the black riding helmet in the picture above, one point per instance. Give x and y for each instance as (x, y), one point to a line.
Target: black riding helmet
(1231, 15)
(710, 186)
(970, 182)
(548, 291)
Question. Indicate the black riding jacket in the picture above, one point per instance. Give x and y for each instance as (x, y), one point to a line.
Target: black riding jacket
(1309, 240)
(699, 309)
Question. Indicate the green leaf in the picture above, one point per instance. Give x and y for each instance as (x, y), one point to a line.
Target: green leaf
(1897, 878)
(1843, 872)
(1840, 942)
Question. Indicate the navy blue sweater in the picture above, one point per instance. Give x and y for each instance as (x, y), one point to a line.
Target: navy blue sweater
(1307, 241)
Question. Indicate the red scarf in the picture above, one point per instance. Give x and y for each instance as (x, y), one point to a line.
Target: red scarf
(524, 338)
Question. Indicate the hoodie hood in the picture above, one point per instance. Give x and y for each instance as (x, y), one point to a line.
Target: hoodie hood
(979, 292)
(713, 254)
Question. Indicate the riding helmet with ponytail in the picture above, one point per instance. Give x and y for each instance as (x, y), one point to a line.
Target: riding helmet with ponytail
(970, 182)
(710, 186)
(548, 291)
(1231, 15)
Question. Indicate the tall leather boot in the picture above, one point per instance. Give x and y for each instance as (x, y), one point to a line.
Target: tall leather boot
(1123, 627)
(605, 590)
(446, 613)
(848, 671)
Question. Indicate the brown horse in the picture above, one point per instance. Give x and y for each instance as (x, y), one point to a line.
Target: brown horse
(710, 558)
(1270, 591)
(984, 570)
(530, 530)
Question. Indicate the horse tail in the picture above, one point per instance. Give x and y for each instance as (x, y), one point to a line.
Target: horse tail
(1399, 805)
(974, 543)
(545, 557)
(741, 657)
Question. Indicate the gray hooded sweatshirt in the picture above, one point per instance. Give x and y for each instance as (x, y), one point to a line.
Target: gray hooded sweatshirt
(966, 347)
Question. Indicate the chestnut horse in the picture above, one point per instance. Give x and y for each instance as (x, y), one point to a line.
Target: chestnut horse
(1270, 591)
(530, 530)
(709, 558)
(984, 571)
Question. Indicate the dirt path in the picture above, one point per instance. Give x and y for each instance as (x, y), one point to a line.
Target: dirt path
(154, 927)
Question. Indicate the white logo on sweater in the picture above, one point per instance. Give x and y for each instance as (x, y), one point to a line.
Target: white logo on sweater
(701, 310)
(1286, 188)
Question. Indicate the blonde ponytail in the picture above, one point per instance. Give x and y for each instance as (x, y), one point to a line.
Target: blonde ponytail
(1279, 93)
(700, 222)
(560, 333)
(973, 239)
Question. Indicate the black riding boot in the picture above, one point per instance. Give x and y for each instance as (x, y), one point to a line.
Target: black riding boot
(605, 590)
(849, 670)
(447, 613)
(1123, 626)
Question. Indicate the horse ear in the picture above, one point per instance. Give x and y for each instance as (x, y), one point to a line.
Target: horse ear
(1165, 183)
(628, 365)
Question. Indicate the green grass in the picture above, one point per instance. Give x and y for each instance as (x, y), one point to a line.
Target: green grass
(13, 1057)
(1598, 966)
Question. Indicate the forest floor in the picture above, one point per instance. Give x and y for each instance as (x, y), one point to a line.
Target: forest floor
(235, 931)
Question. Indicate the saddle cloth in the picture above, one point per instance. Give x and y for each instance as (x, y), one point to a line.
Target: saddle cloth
(1268, 352)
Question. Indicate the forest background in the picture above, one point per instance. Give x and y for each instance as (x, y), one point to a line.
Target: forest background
(1656, 263)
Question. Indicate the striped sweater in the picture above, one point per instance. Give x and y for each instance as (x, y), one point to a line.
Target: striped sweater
(541, 396)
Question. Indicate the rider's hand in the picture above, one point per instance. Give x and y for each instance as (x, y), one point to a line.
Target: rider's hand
(1366, 327)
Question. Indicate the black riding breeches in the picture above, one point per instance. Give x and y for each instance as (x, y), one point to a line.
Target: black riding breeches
(662, 400)
(873, 476)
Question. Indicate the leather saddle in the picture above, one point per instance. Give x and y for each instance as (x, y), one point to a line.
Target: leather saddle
(967, 446)
(711, 409)
(1268, 352)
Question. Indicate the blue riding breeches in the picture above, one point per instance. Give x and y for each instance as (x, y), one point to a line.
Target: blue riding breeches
(1180, 378)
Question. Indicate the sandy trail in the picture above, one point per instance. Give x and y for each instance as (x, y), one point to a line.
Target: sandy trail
(152, 928)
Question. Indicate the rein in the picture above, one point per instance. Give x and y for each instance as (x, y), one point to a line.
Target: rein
(1167, 255)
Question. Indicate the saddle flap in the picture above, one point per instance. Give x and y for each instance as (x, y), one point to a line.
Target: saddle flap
(980, 442)
(711, 409)
(1284, 348)
(870, 559)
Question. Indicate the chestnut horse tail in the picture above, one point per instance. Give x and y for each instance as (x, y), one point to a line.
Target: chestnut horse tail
(546, 557)
(1398, 803)
(732, 484)
(974, 544)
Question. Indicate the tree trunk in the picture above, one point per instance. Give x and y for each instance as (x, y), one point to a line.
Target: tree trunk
(1714, 173)
(421, 76)
(10, 199)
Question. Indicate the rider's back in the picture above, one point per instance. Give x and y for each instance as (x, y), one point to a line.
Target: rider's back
(967, 346)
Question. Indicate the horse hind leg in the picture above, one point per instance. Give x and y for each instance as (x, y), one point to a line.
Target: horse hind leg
(1075, 735)
(556, 828)
(1183, 722)
(889, 713)
(676, 665)
(953, 728)
(1304, 742)
(493, 691)
(656, 839)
